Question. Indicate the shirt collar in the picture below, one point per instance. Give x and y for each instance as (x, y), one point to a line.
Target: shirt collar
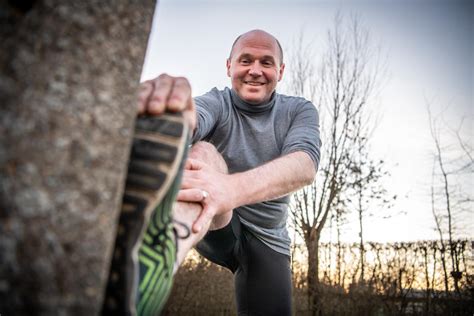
(252, 108)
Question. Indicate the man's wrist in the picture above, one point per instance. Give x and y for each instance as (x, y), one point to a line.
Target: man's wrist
(236, 191)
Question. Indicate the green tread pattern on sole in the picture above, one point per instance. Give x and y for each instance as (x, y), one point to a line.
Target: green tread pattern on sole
(157, 256)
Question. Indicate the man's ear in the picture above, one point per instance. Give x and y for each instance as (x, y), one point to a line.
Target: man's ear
(282, 70)
(228, 67)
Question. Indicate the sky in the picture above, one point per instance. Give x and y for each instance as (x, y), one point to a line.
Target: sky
(428, 46)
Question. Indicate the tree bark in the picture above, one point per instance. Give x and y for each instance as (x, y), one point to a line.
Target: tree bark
(69, 71)
(314, 295)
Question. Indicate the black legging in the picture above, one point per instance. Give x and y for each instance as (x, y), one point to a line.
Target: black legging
(262, 276)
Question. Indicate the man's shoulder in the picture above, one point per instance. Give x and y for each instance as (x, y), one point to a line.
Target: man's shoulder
(293, 101)
(213, 97)
(215, 93)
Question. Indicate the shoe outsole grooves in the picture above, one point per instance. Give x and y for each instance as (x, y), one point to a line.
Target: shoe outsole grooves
(158, 148)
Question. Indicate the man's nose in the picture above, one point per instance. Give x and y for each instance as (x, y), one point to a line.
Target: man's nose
(255, 69)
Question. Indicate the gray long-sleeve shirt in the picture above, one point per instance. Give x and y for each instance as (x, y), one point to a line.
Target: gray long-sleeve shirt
(248, 136)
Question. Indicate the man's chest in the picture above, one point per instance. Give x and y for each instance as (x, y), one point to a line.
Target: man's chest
(248, 141)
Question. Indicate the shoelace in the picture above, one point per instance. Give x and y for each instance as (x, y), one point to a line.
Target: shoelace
(186, 228)
(177, 236)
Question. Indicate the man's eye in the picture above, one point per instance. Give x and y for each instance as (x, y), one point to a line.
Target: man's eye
(245, 61)
(267, 63)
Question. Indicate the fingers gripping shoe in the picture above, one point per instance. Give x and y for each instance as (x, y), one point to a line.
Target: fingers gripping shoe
(144, 254)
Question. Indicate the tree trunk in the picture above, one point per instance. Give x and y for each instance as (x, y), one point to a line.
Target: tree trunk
(68, 77)
(427, 279)
(314, 297)
(445, 269)
(340, 280)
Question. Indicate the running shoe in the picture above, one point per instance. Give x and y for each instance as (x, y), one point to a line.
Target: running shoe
(144, 256)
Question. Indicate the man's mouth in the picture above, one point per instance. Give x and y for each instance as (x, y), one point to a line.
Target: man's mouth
(254, 83)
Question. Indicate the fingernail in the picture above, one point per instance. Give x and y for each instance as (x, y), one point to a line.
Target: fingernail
(155, 107)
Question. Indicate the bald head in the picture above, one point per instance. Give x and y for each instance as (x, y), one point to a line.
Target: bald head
(253, 34)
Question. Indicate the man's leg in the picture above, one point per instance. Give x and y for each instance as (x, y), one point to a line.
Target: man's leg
(263, 279)
(187, 213)
(262, 275)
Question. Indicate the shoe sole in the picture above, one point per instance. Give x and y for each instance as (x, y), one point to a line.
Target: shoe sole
(158, 150)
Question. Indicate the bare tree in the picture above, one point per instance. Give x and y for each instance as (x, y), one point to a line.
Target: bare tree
(452, 164)
(437, 219)
(347, 77)
(368, 193)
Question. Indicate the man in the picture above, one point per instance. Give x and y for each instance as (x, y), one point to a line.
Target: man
(252, 147)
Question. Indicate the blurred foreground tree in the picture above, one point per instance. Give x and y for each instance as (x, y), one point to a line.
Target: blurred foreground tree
(68, 77)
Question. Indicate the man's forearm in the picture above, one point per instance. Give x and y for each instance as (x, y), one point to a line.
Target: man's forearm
(273, 179)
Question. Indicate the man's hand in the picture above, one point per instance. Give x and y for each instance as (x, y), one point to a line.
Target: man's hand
(214, 190)
(167, 93)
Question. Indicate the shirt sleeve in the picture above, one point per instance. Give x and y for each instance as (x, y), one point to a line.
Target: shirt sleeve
(304, 134)
(208, 110)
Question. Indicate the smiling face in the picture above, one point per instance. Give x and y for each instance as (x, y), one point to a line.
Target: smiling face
(255, 66)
